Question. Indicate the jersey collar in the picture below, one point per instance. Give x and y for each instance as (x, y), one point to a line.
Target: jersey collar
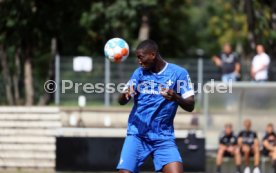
(164, 68)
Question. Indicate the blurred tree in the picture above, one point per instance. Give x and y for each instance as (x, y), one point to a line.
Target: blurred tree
(227, 24)
(243, 23)
(107, 19)
(271, 5)
(28, 27)
(6, 75)
(15, 32)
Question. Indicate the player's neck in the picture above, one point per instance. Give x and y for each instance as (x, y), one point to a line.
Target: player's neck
(160, 64)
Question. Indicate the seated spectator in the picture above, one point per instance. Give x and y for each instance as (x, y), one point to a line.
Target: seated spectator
(269, 143)
(249, 144)
(228, 61)
(228, 147)
(260, 65)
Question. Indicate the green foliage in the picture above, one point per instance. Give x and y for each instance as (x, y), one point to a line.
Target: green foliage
(227, 24)
(107, 19)
(82, 27)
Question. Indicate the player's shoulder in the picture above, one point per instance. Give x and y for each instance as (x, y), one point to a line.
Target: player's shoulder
(176, 68)
(241, 132)
(138, 70)
(254, 132)
(265, 55)
(274, 134)
(234, 135)
(266, 135)
(255, 57)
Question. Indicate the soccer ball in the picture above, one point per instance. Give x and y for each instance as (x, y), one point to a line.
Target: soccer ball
(116, 50)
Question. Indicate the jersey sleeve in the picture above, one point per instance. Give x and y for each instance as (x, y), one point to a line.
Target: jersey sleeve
(237, 58)
(240, 134)
(265, 136)
(266, 60)
(134, 79)
(255, 135)
(184, 85)
(235, 142)
(221, 138)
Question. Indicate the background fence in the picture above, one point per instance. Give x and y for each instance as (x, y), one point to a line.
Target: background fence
(121, 73)
(201, 71)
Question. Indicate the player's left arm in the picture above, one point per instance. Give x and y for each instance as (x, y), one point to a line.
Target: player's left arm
(187, 104)
(264, 66)
(256, 140)
(184, 94)
(267, 145)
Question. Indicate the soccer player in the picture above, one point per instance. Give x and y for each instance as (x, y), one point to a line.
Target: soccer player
(249, 144)
(269, 143)
(157, 87)
(228, 146)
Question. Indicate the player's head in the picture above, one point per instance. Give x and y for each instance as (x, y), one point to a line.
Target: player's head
(227, 48)
(147, 52)
(259, 48)
(228, 128)
(247, 124)
(269, 128)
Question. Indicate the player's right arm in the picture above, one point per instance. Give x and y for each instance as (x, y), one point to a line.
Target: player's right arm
(126, 96)
(266, 144)
(222, 145)
(216, 60)
(129, 90)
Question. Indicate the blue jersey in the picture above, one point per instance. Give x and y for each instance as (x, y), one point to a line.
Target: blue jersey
(152, 115)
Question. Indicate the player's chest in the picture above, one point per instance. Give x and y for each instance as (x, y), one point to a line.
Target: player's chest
(228, 59)
(248, 137)
(157, 81)
(229, 139)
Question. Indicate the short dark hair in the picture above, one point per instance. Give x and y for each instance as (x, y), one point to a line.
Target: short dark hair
(270, 125)
(228, 125)
(148, 45)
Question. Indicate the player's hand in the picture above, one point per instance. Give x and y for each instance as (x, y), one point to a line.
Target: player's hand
(216, 60)
(129, 93)
(168, 94)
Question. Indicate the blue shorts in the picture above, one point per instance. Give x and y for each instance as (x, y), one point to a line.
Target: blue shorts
(137, 149)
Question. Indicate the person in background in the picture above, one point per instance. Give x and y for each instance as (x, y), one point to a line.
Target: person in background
(269, 144)
(249, 144)
(260, 65)
(228, 147)
(228, 61)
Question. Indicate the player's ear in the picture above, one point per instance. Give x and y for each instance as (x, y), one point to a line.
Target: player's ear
(153, 54)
